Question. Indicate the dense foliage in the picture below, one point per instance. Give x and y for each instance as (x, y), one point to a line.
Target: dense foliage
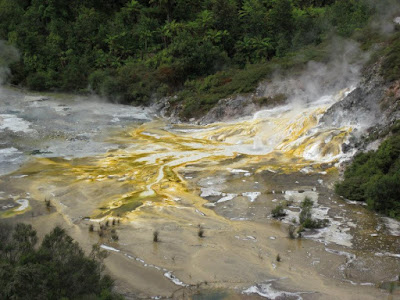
(374, 177)
(56, 269)
(391, 61)
(133, 50)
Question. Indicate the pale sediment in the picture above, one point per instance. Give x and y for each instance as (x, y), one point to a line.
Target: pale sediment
(223, 179)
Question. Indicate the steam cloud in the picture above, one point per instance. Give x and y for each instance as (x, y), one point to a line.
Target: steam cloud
(319, 79)
(387, 12)
(8, 55)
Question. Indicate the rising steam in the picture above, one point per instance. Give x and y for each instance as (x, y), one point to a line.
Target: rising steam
(342, 71)
(8, 55)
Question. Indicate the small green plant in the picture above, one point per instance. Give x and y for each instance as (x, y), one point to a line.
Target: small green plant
(155, 236)
(200, 232)
(374, 177)
(278, 211)
(307, 202)
(306, 219)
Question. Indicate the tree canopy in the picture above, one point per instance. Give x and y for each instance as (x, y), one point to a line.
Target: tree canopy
(55, 269)
(131, 50)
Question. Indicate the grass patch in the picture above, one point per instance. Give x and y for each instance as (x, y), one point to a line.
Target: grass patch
(128, 207)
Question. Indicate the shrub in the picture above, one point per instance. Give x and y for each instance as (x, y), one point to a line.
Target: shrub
(200, 232)
(278, 211)
(37, 81)
(307, 202)
(374, 177)
(155, 236)
(306, 219)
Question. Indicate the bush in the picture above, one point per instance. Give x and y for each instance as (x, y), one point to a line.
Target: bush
(132, 83)
(155, 237)
(374, 177)
(306, 219)
(200, 232)
(97, 79)
(278, 211)
(37, 81)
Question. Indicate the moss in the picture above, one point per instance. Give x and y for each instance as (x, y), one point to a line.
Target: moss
(12, 213)
(128, 204)
(127, 207)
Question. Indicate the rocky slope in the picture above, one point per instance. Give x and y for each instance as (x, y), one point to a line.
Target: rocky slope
(373, 106)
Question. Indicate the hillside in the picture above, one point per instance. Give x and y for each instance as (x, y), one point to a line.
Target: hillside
(138, 51)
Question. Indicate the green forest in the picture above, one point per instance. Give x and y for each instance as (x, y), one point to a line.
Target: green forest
(55, 269)
(135, 51)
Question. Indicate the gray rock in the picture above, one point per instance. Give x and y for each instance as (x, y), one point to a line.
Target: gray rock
(231, 108)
